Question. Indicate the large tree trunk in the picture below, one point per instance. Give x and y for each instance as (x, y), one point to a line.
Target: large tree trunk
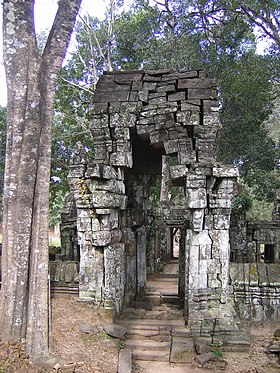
(31, 88)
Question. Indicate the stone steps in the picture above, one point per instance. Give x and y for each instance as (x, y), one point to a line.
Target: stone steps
(156, 326)
(147, 323)
(150, 355)
(145, 344)
(160, 335)
(156, 298)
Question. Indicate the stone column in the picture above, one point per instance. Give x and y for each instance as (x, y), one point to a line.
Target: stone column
(209, 196)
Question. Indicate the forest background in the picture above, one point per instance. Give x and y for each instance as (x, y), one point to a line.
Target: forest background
(220, 36)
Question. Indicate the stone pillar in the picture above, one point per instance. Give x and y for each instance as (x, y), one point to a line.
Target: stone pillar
(209, 196)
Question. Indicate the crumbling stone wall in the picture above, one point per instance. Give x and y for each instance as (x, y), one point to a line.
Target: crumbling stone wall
(256, 291)
(138, 117)
(256, 241)
(255, 266)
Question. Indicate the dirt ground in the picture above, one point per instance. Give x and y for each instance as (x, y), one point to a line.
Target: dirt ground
(80, 352)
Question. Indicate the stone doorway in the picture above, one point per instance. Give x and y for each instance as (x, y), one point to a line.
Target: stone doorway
(138, 119)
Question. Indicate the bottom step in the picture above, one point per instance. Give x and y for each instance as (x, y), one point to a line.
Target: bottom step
(150, 355)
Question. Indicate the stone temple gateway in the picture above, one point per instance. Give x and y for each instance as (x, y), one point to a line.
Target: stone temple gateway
(138, 119)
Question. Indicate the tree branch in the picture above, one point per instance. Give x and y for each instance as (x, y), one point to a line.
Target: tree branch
(60, 34)
(77, 86)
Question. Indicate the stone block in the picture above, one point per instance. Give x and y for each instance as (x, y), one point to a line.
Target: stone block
(195, 83)
(208, 222)
(115, 330)
(202, 345)
(133, 96)
(204, 132)
(137, 86)
(195, 181)
(143, 95)
(171, 146)
(182, 350)
(197, 220)
(210, 106)
(107, 96)
(183, 116)
(128, 77)
(204, 358)
(193, 106)
(149, 86)
(199, 94)
(84, 224)
(221, 221)
(169, 107)
(225, 171)
(178, 171)
(178, 96)
(196, 198)
(164, 125)
(143, 130)
(102, 199)
(158, 137)
(121, 158)
(157, 100)
(125, 361)
(166, 88)
(195, 119)
(145, 121)
(101, 238)
(71, 272)
(206, 150)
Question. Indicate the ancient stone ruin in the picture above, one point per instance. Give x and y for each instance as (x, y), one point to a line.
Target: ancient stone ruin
(140, 122)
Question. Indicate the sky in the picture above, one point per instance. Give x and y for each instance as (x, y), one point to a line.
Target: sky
(45, 11)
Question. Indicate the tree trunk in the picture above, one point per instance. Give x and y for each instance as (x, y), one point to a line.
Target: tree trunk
(31, 88)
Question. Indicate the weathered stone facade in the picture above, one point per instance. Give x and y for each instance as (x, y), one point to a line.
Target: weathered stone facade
(138, 117)
(256, 291)
(255, 266)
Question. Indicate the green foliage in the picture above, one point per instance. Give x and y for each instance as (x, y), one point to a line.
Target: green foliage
(260, 210)
(217, 352)
(121, 344)
(246, 98)
(248, 201)
(57, 194)
(241, 203)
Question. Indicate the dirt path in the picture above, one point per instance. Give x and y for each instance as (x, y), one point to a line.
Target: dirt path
(98, 353)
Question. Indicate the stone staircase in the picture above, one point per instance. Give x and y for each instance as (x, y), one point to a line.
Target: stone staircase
(158, 340)
(156, 325)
